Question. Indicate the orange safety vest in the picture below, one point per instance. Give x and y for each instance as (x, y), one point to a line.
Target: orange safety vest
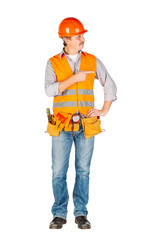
(79, 95)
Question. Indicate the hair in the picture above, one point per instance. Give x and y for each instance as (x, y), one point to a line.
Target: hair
(64, 43)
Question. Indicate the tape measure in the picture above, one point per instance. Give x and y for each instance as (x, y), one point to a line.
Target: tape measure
(76, 118)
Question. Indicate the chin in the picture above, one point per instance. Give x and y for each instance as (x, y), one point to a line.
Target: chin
(82, 46)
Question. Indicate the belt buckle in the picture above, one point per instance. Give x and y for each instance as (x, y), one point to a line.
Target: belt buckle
(76, 118)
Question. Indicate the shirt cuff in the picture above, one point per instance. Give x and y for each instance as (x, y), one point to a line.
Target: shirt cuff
(110, 98)
(58, 93)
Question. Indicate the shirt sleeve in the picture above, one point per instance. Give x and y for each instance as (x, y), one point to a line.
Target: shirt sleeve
(109, 86)
(51, 84)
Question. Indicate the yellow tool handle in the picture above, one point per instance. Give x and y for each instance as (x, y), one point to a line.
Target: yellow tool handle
(49, 115)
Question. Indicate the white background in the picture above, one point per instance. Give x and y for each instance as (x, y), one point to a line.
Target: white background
(125, 170)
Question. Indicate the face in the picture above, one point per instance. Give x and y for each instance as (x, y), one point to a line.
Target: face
(76, 42)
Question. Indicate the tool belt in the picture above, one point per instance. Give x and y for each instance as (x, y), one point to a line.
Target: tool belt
(70, 122)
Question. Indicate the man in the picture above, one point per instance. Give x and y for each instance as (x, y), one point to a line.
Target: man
(69, 79)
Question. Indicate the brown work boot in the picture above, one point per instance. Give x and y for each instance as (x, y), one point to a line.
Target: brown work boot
(82, 222)
(57, 223)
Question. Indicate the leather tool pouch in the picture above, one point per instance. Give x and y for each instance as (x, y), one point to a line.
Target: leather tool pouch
(55, 127)
(91, 126)
(52, 130)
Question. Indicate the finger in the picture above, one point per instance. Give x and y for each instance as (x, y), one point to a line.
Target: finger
(89, 72)
(93, 115)
(89, 113)
(90, 110)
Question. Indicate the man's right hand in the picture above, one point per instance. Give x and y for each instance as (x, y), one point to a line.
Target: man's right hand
(81, 75)
(78, 77)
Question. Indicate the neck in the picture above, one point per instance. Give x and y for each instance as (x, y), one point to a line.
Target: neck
(71, 51)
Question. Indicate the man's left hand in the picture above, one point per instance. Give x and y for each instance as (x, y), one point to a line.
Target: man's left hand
(96, 112)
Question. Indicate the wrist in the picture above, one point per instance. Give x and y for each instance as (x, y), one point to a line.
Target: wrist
(74, 78)
(104, 111)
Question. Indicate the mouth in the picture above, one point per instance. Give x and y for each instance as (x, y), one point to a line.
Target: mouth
(82, 43)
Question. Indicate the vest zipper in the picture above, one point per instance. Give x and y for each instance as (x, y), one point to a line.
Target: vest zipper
(77, 94)
(76, 84)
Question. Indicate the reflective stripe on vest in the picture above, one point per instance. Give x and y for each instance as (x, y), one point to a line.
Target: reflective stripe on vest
(73, 104)
(85, 92)
(80, 91)
(64, 104)
(69, 92)
(86, 104)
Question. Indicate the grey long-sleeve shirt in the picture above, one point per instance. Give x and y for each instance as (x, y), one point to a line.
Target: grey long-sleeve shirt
(109, 86)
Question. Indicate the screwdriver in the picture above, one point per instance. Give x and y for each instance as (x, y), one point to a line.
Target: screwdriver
(49, 115)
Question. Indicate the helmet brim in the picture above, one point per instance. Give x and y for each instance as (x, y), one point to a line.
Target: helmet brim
(70, 35)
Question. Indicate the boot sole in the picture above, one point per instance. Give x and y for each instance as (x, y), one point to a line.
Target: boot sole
(55, 227)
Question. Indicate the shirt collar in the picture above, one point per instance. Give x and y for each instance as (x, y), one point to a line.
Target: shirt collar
(63, 52)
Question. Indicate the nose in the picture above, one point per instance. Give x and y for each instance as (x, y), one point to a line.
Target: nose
(82, 37)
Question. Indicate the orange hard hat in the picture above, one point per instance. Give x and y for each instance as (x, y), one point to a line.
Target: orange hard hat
(70, 27)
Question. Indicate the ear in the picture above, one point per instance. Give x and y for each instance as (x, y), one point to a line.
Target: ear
(67, 39)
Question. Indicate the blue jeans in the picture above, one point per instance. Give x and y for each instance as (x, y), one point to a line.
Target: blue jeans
(61, 148)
